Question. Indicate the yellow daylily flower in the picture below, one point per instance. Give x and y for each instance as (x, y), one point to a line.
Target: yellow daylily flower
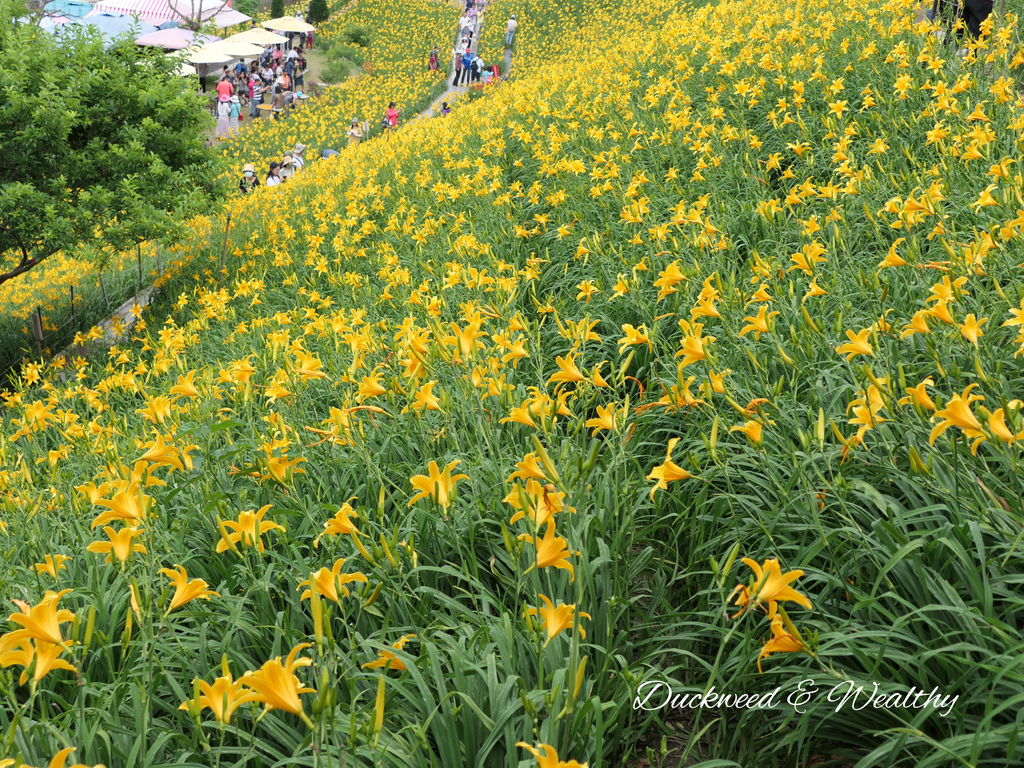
(276, 686)
(780, 642)
(668, 471)
(436, 485)
(52, 564)
(971, 328)
(549, 757)
(330, 583)
(858, 344)
(389, 660)
(185, 591)
(42, 621)
(24, 651)
(222, 698)
(555, 619)
(758, 324)
(957, 413)
(772, 587)
(120, 544)
(339, 524)
(248, 530)
(752, 429)
(552, 551)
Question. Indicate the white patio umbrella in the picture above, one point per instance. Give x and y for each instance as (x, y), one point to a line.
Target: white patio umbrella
(234, 48)
(289, 24)
(203, 56)
(258, 36)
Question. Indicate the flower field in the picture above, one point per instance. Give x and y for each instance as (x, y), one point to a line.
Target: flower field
(691, 358)
(49, 287)
(402, 36)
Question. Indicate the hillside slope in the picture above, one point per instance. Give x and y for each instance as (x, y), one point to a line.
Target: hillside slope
(717, 288)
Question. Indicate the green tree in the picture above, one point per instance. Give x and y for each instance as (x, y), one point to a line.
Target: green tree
(102, 146)
(248, 7)
(318, 12)
(276, 9)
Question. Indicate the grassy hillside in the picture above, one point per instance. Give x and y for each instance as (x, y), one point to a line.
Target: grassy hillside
(719, 288)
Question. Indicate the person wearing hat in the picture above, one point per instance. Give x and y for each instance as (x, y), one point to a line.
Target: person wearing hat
(273, 175)
(287, 166)
(249, 181)
(510, 30)
(457, 67)
(223, 119)
(354, 133)
(297, 157)
(234, 114)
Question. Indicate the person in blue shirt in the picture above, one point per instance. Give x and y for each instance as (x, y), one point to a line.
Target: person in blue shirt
(467, 67)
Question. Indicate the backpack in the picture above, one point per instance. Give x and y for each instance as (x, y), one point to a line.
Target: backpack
(385, 123)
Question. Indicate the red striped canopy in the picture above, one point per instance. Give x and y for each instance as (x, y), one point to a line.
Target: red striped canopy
(158, 11)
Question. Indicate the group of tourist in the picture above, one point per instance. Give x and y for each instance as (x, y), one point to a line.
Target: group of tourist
(282, 75)
(278, 173)
(276, 77)
(468, 66)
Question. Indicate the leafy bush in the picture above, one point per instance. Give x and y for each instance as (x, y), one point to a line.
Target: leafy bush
(357, 34)
(335, 70)
(353, 53)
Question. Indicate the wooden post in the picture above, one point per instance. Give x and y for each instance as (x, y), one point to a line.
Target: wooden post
(224, 251)
(37, 330)
(159, 263)
(74, 317)
(139, 254)
(104, 289)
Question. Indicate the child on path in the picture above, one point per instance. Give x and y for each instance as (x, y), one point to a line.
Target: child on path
(234, 113)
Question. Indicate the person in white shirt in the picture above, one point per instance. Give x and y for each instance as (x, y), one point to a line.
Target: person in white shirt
(510, 31)
(297, 160)
(273, 175)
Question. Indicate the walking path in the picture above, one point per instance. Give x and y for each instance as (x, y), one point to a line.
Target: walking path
(452, 92)
(116, 326)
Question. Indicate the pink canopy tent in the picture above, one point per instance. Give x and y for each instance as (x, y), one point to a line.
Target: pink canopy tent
(174, 39)
(159, 11)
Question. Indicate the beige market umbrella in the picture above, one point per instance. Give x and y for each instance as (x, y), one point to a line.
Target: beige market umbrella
(258, 36)
(186, 69)
(289, 24)
(206, 56)
(234, 48)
